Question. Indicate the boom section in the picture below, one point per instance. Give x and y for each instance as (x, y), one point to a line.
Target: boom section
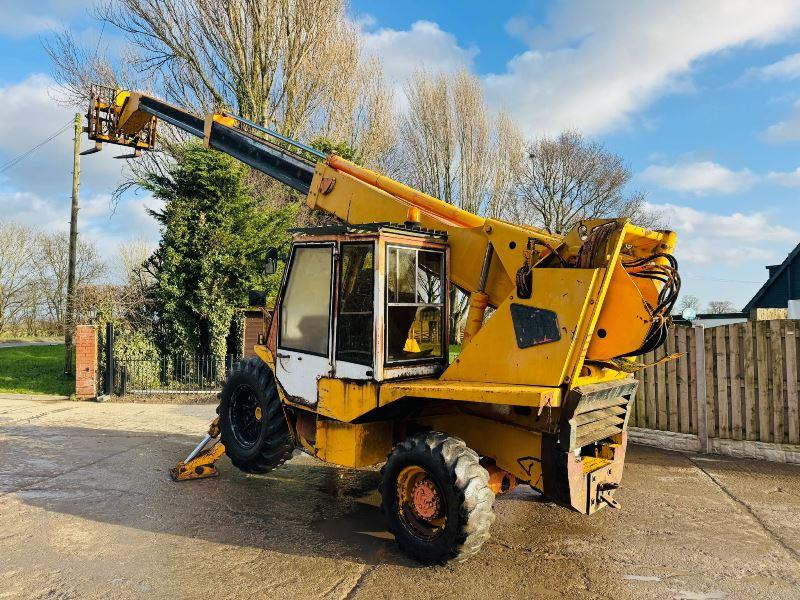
(129, 119)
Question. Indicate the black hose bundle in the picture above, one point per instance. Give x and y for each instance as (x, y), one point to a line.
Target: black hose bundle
(593, 250)
(525, 281)
(667, 274)
(525, 272)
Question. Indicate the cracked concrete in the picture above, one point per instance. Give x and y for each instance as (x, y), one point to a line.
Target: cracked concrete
(88, 511)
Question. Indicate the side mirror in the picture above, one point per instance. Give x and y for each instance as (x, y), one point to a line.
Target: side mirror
(271, 261)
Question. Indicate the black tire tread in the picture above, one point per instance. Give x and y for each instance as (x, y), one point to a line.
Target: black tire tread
(471, 483)
(278, 446)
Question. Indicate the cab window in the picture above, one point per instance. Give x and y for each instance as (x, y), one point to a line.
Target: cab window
(355, 322)
(306, 305)
(415, 304)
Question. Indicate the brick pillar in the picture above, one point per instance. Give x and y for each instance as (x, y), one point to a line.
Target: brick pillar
(85, 361)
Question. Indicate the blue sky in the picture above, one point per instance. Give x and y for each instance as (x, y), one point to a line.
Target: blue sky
(700, 99)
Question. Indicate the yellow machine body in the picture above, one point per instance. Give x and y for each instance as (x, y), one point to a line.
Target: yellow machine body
(541, 387)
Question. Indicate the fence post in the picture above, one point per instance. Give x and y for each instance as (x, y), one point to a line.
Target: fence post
(109, 387)
(700, 370)
(123, 373)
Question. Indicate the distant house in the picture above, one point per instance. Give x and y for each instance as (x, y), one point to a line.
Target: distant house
(783, 284)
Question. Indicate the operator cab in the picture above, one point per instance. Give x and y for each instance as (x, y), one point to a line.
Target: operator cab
(365, 302)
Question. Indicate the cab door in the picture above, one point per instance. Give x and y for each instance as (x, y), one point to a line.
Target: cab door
(355, 319)
(304, 334)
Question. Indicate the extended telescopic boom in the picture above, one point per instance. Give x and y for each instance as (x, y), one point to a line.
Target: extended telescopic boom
(129, 119)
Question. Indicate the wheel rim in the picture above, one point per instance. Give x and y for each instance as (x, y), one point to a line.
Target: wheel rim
(245, 416)
(420, 503)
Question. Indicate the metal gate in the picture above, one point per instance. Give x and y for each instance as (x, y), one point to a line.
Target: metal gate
(175, 374)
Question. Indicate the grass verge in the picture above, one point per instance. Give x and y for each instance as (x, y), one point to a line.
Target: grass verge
(34, 370)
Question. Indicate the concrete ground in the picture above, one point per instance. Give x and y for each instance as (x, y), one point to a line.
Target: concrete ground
(5, 398)
(87, 510)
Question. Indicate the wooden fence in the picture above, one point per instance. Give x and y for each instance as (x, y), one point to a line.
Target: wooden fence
(736, 382)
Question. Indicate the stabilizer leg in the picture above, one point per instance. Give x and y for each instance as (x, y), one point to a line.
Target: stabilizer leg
(200, 462)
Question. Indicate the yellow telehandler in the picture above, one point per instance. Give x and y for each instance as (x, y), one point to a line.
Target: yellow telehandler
(355, 363)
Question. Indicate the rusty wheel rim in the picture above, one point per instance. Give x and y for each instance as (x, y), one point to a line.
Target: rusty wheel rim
(420, 503)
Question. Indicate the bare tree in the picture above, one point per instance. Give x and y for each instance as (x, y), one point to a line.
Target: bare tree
(428, 136)
(509, 157)
(718, 307)
(50, 264)
(456, 150)
(135, 283)
(688, 301)
(567, 179)
(296, 66)
(276, 62)
(361, 113)
(471, 122)
(16, 251)
(128, 262)
(76, 68)
(29, 319)
(101, 302)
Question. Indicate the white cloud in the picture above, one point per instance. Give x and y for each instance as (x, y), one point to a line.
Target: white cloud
(735, 239)
(751, 227)
(130, 221)
(98, 222)
(23, 25)
(21, 18)
(787, 130)
(424, 46)
(722, 256)
(30, 115)
(705, 178)
(594, 65)
(787, 179)
(36, 192)
(786, 68)
(365, 21)
(699, 177)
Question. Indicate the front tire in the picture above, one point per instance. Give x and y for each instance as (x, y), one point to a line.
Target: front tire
(436, 498)
(251, 420)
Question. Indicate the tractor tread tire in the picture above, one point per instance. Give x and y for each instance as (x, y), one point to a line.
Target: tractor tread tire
(275, 445)
(469, 484)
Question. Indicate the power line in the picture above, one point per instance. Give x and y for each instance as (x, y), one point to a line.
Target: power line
(18, 159)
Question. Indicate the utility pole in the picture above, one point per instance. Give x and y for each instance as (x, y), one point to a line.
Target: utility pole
(69, 321)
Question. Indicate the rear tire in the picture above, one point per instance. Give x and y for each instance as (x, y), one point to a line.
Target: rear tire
(251, 420)
(436, 498)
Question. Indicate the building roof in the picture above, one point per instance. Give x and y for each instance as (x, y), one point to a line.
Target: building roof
(773, 276)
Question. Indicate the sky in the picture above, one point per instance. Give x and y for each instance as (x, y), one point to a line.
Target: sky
(701, 100)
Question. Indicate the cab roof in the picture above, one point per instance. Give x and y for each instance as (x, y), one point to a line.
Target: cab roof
(400, 228)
